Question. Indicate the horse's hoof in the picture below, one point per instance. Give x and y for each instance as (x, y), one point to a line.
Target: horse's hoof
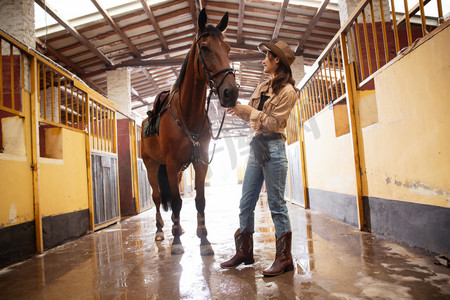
(206, 250)
(159, 236)
(177, 249)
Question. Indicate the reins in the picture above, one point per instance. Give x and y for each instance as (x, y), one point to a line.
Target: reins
(196, 156)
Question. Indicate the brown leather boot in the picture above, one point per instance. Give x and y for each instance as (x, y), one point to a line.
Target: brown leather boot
(244, 250)
(283, 258)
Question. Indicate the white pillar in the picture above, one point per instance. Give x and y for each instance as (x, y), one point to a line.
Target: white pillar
(17, 19)
(298, 69)
(119, 89)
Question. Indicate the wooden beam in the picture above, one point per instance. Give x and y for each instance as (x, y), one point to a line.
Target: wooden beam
(69, 27)
(312, 24)
(178, 61)
(151, 16)
(280, 19)
(240, 20)
(116, 28)
(150, 79)
(194, 13)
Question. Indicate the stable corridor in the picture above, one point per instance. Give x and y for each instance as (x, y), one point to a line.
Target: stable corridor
(332, 261)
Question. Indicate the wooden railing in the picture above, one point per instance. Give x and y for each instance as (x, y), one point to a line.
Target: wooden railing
(373, 36)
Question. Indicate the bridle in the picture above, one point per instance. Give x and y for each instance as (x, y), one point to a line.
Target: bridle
(209, 77)
(196, 156)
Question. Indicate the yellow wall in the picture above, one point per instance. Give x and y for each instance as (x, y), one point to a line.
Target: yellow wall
(329, 159)
(405, 145)
(63, 181)
(407, 153)
(16, 190)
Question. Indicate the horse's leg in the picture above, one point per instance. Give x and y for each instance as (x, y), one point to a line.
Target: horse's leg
(177, 230)
(152, 173)
(200, 175)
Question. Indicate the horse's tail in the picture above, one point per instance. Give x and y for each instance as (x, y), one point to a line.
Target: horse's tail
(164, 187)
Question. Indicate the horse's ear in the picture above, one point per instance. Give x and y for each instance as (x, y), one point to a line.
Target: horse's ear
(223, 23)
(202, 19)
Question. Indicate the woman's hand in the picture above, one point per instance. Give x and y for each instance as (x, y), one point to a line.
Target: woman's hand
(242, 111)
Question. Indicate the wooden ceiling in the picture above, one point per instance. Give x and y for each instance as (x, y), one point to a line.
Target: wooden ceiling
(153, 39)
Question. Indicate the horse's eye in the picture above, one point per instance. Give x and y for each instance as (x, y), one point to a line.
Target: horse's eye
(204, 47)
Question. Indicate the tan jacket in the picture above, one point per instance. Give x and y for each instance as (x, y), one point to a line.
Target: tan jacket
(275, 112)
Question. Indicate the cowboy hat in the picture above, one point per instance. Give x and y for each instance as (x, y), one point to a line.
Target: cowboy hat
(281, 50)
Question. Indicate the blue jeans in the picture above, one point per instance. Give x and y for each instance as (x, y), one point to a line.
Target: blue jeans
(274, 173)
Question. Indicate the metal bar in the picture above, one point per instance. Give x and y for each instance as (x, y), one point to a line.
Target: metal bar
(394, 21)
(97, 128)
(108, 135)
(334, 70)
(316, 96)
(309, 102)
(329, 85)
(44, 87)
(383, 26)
(324, 77)
(52, 94)
(358, 44)
(313, 97)
(78, 109)
(331, 76)
(408, 23)
(111, 130)
(320, 87)
(71, 105)
(374, 35)
(354, 134)
(422, 18)
(340, 69)
(65, 91)
(83, 110)
(102, 135)
(11, 55)
(59, 97)
(321, 90)
(366, 40)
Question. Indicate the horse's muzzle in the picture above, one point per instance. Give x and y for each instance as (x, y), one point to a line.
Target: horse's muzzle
(228, 93)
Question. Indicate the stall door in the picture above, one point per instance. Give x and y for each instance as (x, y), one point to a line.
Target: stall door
(295, 174)
(104, 185)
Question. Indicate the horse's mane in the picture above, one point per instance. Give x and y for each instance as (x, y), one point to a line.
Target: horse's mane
(213, 31)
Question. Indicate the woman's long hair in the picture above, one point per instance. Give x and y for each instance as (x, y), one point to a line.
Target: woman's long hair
(283, 76)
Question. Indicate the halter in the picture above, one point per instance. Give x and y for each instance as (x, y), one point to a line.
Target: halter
(196, 156)
(209, 77)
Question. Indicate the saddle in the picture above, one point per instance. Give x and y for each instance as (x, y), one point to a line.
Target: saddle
(151, 127)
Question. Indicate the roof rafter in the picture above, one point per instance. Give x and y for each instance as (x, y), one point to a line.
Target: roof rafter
(311, 26)
(151, 16)
(280, 19)
(240, 20)
(116, 28)
(69, 27)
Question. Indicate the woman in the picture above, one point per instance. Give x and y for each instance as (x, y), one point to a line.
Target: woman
(267, 112)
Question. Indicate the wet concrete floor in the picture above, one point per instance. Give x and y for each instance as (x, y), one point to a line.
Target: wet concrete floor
(332, 261)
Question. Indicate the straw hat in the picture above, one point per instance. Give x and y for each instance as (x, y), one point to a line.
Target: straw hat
(281, 50)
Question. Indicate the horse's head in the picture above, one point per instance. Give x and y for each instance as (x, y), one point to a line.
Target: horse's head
(213, 54)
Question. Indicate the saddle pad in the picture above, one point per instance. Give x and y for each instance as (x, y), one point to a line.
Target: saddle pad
(151, 127)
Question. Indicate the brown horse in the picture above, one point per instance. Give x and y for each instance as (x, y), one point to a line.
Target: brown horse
(184, 128)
